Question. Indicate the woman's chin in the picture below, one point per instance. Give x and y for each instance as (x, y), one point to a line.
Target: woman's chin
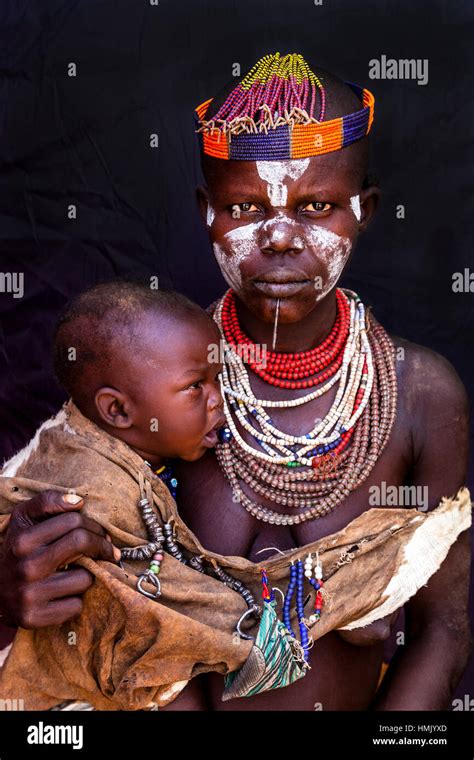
(291, 309)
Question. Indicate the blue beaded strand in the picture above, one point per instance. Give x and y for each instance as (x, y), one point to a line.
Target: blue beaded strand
(304, 638)
(288, 598)
(296, 584)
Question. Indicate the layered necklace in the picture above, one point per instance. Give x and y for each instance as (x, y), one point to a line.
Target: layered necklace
(311, 473)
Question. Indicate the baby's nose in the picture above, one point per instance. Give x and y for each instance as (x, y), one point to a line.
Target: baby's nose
(215, 400)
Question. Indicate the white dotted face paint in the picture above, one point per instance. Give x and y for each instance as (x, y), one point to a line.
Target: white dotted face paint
(355, 206)
(333, 251)
(228, 266)
(248, 238)
(330, 249)
(240, 242)
(274, 172)
(274, 232)
(210, 214)
(243, 240)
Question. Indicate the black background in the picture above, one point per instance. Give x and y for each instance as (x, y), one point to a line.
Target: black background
(142, 69)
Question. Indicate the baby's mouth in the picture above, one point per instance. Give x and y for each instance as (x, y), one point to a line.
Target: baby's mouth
(212, 437)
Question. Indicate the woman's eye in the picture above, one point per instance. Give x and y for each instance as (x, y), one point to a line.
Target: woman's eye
(317, 206)
(246, 207)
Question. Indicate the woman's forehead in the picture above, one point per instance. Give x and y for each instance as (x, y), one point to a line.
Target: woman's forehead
(327, 170)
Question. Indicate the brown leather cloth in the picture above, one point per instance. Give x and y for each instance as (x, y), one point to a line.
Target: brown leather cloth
(125, 651)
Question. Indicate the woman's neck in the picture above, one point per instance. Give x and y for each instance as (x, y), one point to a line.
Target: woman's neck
(295, 336)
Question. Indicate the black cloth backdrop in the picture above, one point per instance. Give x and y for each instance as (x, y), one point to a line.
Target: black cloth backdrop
(140, 70)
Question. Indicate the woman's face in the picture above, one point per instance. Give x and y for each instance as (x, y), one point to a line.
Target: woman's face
(284, 229)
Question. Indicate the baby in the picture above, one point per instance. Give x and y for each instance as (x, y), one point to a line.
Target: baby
(136, 363)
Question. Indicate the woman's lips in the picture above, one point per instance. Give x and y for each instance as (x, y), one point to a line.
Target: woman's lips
(280, 289)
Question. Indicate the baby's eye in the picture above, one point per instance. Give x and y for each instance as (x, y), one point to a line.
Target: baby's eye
(320, 206)
(196, 386)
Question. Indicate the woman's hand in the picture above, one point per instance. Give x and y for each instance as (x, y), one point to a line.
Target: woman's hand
(44, 534)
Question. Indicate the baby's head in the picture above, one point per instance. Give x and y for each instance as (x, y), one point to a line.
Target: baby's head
(136, 361)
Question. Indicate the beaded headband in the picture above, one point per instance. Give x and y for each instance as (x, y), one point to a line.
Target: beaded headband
(270, 115)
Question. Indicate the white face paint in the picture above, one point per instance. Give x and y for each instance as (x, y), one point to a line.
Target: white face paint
(271, 228)
(241, 241)
(228, 266)
(355, 206)
(333, 250)
(274, 172)
(210, 214)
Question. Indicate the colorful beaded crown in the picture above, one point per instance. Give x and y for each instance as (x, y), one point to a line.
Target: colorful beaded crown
(270, 115)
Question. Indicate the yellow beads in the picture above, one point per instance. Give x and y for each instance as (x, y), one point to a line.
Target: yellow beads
(285, 66)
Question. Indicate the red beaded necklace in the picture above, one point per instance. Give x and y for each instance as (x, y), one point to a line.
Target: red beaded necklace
(293, 371)
(283, 469)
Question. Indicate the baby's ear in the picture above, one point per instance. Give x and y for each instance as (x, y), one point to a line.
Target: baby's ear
(369, 201)
(113, 407)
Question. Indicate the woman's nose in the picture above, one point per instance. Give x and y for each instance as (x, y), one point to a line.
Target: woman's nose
(280, 236)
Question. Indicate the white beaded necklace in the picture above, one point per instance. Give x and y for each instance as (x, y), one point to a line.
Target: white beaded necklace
(239, 397)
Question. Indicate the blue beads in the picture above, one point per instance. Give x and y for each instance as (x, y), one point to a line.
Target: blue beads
(288, 597)
(224, 434)
(169, 480)
(300, 606)
(296, 590)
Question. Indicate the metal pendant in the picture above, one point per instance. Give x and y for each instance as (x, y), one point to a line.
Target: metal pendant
(150, 578)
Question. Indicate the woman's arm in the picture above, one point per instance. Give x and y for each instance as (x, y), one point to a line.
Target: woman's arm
(43, 534)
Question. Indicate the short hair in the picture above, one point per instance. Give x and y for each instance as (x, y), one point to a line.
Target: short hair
(94, 321)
